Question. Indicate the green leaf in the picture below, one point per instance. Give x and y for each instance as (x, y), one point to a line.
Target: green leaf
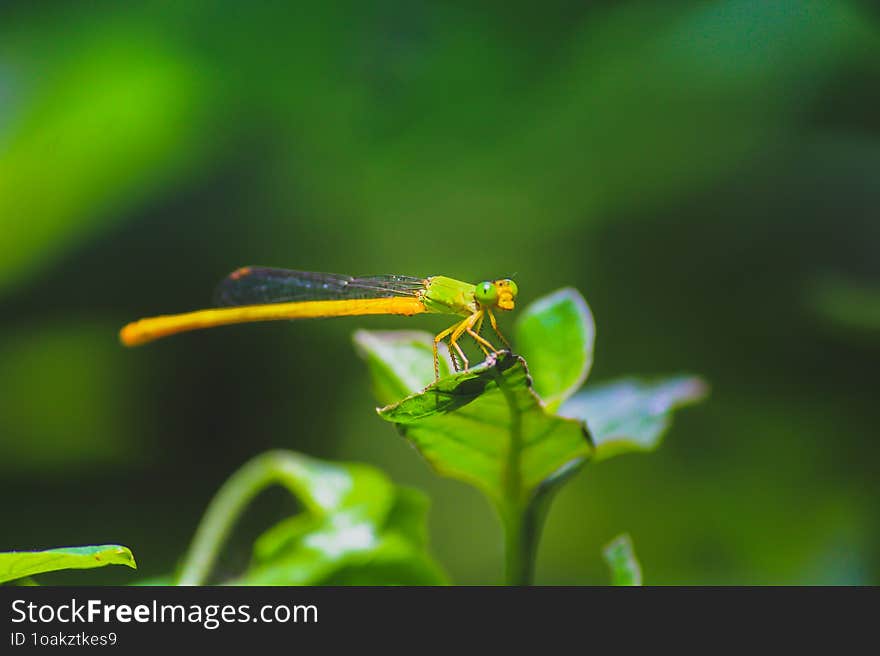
(487, 427)
(622, 561)
(19, 564)
(350, 546)
(356, 526)
(555, 335)
(360, 560)
(401, 362)
(631, 415)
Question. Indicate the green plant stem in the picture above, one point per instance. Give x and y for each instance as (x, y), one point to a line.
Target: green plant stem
(226, 507)
(521, 538)
(521, 543)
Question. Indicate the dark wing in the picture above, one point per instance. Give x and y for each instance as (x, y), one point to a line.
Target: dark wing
(254, 285)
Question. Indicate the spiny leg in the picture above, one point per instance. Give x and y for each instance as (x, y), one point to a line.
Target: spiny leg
(476, 322)
(439, 338)
(458, 332)
(464, 359)
(482, 342)
(457, 363)
(495, 328)
(477, 328)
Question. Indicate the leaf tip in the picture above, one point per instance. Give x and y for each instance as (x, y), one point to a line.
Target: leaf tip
(620, 556)
(692, 389)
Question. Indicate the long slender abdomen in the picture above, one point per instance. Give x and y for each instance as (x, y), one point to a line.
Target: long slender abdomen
(148, 330)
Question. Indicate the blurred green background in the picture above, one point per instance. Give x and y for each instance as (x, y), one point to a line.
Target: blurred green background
(706, 173)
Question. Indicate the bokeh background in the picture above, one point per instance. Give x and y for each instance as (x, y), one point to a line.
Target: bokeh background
(706, 173)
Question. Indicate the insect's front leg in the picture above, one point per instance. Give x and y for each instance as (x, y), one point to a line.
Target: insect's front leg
(477, 328)
(474, 331)
(494, 324)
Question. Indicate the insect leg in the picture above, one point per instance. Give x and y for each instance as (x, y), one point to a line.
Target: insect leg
(495, 328)
(481, 341)
(439, 338)
(477, 328)
(458, 332)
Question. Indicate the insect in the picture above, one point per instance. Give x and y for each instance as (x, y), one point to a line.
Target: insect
(256, 293)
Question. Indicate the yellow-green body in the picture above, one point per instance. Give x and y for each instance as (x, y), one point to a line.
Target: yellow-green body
(444, 295)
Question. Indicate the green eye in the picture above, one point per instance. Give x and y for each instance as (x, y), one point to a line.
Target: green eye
(514, 290)
(486, 294)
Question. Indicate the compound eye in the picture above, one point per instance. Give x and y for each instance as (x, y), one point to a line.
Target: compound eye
(512, 288)
(486, 293)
